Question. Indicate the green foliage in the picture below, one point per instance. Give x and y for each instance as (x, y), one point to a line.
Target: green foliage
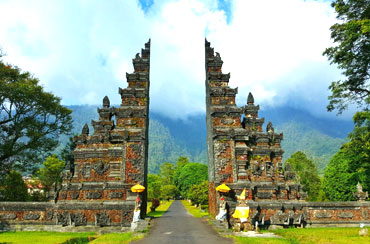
(181, 162)
(191, 174)
(351, 164)
(351, 53)
(154, 186)
(14, 188)
(198, 194)
(168, 192)
(166, 172)
(51, 173)
(306, 174)
(31, 120)
(339, 183)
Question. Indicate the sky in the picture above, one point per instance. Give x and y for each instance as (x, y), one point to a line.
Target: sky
(81, 49)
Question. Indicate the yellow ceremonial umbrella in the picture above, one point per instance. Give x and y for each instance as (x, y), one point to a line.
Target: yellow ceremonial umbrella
(223, 188)
(137, 188)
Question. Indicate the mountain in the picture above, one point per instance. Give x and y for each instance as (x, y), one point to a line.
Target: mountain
(170, 138)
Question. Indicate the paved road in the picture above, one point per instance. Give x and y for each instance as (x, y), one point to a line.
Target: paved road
(178, 226)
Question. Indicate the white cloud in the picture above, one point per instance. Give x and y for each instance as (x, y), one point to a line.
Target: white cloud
(81, 50)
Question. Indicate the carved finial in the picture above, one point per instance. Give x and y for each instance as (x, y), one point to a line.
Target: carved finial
(106, 102)
(270, 127)
(218, 57)
(250, 99)
(137, 57)
(359, 187)
(85, 130)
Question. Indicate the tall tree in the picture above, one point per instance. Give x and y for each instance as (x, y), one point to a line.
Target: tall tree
(306, 174)
(351, 53)
(31, 120)
(351, 164)
(191, 174)
(51, 174)
(166, 172)
(14, 188)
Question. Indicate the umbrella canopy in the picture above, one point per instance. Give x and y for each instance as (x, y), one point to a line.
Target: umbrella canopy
(137, 188)
(223, 188)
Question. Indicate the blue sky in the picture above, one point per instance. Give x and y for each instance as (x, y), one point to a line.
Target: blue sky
(81, 49)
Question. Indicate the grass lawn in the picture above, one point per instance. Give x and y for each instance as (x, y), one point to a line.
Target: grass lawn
(196, 212)
(41, 237)
(310, 236)
(160, 210)
(117, 238)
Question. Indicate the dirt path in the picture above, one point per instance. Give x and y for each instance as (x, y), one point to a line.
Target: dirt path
(178, 226)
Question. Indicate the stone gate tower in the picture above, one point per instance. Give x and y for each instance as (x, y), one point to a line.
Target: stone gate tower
(109, 161)
(240, 153)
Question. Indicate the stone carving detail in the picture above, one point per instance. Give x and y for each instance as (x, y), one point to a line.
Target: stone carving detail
(63, 218)
(136, 148)
(74, 195)
(63, 195)
(86, 170)
(9, 216)
(322, 215)
(115, 194)
(100, 167)
(126, 219)
(345, 215)
(360, 195)
(102, 219)
(50, 214)
(31, 216)
(78, 219)
(85, 130)
(297, 219)
(281, 218)
(264, 195)
(93, 195)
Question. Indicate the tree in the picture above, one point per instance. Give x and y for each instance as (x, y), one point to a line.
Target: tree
(14, 188)
(168, 192)
(166, 172)
(351, 164)
(339, 183)
(51, 174)
(198, 194)
(191, 174)
(154, 186)
(306, 174)
(31, 120)
(351, 53)
(181, 162)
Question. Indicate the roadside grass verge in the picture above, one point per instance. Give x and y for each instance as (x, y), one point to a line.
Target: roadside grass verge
(43, 237)
(163, 207)
(309, 236)
(196, 212)
(117, 238)
(324, 235)
(256, 240)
